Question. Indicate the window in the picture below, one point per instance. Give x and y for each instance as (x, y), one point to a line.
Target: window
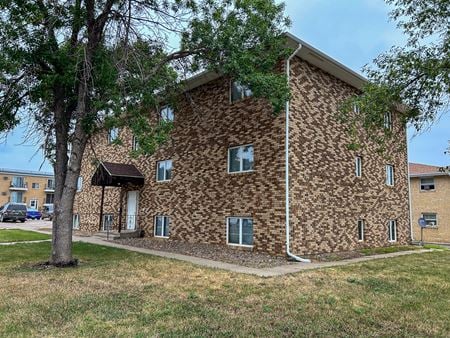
(166, 113)
(240, 231)
(49, 198)
(113, 134)
(392, 231)
(35, 185)
(358, 166)
(427, 184)
(76, 221)
(108, 220)
(240, 159)
(18, 182)
(34, 203)
(17, 196)
(430, 219)
(135, 144)
(356, 108)
(50, 184)
(162, 224)
(79, 183)
(360, 230)
(388, 120)
(389, 175)
(239, 91)
(163, 170)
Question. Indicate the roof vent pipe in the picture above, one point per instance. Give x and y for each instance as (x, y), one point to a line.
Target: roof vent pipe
(286, 155)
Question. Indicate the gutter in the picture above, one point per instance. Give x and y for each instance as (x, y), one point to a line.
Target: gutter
(286, 154)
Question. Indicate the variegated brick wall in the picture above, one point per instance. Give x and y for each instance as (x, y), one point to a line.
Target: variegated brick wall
(326, 198)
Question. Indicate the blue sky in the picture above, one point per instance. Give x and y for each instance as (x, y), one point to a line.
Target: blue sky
(352, 31)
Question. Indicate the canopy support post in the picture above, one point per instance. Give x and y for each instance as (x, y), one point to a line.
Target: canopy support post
(101, 208)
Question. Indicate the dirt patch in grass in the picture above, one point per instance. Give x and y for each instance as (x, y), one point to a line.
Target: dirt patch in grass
(209, 251)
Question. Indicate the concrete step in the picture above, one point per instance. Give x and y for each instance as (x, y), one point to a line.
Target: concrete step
(104, 235)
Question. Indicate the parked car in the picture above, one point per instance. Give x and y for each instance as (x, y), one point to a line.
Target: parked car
(33, 213)
(47, 212)
(13, 212)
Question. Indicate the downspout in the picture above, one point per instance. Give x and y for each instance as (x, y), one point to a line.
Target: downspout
(409, 186)
(286, 155)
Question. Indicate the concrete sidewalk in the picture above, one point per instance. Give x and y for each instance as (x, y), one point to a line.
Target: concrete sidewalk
(261, 272)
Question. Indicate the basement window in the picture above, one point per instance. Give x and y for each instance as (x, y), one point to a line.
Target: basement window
(392, 229)
(76, 221)
(162, 224)
(358, 166)
(427, 184)
(240, 231)
(108, 220)
(360, 230)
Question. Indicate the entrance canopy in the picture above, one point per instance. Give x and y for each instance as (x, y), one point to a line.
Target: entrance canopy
(117, 175)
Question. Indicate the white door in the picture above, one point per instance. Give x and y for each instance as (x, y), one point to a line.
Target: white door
(132, 208)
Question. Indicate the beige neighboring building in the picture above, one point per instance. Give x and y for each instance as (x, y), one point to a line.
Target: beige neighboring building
(430, 199)
(34, 188)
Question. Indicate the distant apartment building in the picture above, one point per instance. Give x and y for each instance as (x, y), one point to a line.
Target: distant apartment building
(430, 199)
(34, 188)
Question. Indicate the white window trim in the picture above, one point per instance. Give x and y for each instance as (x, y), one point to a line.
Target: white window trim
(420, 184)
(240, 231)
(166, 119)
(34, 200)
(154, 226)
(358, 166)
(392, 221)
(388, 120)
(134, 144)
(77, 217)
(392, 176)
(241, 163)
(164, 180)
(363, 232)
(110, 139)
(79, 183)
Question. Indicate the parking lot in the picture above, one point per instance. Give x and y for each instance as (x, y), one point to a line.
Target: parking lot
(40, 225)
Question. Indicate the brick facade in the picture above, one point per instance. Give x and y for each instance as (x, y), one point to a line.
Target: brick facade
(326, 198)
(435, 201)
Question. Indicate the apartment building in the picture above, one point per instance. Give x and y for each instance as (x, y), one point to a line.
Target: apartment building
(235, 174)
(34, 188)
(430, 199)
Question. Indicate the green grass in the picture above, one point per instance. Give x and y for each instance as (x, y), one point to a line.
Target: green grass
(435, 246)
(388, 249)
(119, 293)
(17, 235)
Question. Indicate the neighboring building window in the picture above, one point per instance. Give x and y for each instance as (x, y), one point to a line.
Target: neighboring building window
(162, 224)
(240, 159)
(35, 185)
(392, 231)
(166, 113)
(17, 196)
(34, 203)
(113, 134)
(108, 220)
(79, 183)
(430, 219)
(135, 145)
(390, 175)
(388, 120)
(427, 183)
(163, 170)
(360, 230)
(49, 198)
(239, 91)
(358, 166)
(240, 231)
(51, 184)
(76, 221)
(18, 182)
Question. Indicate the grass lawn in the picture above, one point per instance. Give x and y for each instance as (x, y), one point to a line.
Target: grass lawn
(119, 293)
(16, 235)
